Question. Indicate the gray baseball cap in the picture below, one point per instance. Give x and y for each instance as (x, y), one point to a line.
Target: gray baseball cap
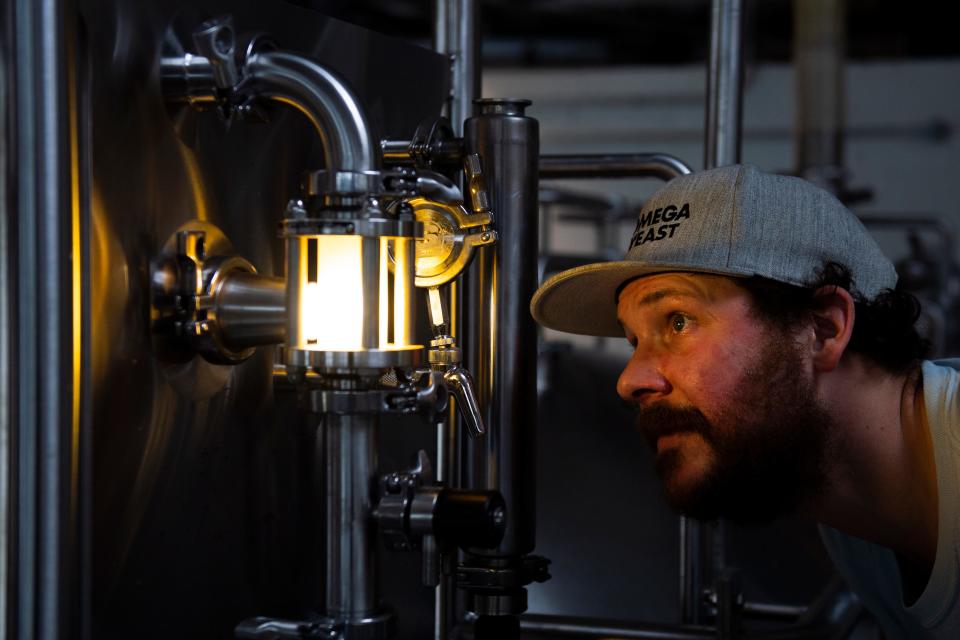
(735, 221)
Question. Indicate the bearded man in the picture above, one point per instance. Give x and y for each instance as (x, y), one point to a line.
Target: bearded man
(776, 368)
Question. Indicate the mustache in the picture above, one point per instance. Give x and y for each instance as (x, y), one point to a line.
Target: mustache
(657, 421)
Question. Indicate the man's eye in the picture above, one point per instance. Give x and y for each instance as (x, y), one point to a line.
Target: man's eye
(678, 322)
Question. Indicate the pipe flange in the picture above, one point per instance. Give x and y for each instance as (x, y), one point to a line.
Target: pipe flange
(367, 227)
(369, 359)
(187, 280)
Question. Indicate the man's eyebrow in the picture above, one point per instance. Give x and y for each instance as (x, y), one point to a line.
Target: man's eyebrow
(660, 294)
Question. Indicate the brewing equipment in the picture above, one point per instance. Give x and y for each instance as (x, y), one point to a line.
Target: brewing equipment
(345, 318)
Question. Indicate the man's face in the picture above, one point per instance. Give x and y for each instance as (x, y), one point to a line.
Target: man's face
(726, 400)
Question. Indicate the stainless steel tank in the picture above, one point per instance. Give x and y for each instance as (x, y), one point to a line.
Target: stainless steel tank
(194, 482)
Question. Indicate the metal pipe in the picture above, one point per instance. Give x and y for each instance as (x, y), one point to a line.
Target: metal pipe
(45, 267)
(722, 147)
(613, 165)
(819, 44)
(691, 570)
(456, 29)
(573, 627)
(456, 34)
(328, 103)
(8, 332)
(724, 84)
(350, 463)
(326, 100)
(251, 310)
(500, 340)
(187, 78)
(396, 152)
(438, 187)
(500, 347)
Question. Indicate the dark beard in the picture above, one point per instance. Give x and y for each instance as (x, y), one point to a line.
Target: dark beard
(769, 448)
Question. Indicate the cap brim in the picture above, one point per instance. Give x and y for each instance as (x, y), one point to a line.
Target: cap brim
(584, 299)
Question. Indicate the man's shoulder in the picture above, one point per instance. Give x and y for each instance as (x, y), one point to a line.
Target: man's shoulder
(941, 378)
(949, 363)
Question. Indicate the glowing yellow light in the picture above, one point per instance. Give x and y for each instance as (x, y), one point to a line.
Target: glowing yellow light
(401, 324)
(331, 312)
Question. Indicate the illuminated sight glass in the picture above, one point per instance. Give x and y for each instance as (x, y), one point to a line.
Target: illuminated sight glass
(350, 284)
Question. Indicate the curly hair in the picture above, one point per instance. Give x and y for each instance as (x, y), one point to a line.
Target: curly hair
(884, 330)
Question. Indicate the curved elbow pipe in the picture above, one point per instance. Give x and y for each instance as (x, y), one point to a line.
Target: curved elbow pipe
(326, 100)
(330, 105)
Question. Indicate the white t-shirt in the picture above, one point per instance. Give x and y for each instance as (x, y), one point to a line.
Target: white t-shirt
(872, 571)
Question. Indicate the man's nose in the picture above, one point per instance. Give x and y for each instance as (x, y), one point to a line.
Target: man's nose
(642, 381)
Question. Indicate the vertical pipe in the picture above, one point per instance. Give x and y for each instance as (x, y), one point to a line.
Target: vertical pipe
(818, 57)
(7, 324)
(456, 35)
(722, 147)
(350, 462)
(500, 341)
(724, 84)
(44, 441)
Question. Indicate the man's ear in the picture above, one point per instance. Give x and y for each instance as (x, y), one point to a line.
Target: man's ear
(833, 317)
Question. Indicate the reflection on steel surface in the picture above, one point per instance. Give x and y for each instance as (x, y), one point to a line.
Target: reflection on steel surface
(201, 474)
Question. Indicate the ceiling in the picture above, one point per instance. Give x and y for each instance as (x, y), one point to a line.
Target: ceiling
(631, 32)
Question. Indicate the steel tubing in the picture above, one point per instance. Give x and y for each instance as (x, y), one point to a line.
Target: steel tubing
(724, 84)
(586, 628)
(819, 61)
(350, 462)
(251, 310)
(325, 99)
(41, 244)
(456, 34)
(329, 104)
(721, 148)
(613, 165)
(500, 341)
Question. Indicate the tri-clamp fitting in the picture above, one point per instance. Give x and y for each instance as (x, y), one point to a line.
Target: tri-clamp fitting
(212, 301)
(415, 513)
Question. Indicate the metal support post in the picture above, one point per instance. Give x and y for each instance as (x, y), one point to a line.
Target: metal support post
(722, 147)
(41, 245)
(350, 463)
(456, 30)
(500, 345)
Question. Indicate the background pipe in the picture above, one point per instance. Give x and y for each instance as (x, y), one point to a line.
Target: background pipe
(818, 56)
(43, 273)
(722, 147)
(456, 28)
(724, 84)
(613, 165)
(536, 625)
